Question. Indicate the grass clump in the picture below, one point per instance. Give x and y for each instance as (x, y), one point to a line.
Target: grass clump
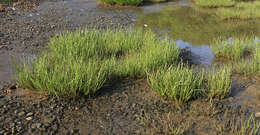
(177, 83)
(244, 53)
(122, 2)
(182, 84)
(82, 62)
(242, 10)
(234, 49)
(251, 66)
(219, 83)
(128, 2)
(215, 3)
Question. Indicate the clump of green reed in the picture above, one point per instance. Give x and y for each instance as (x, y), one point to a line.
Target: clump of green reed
(233, 50)
(243, 51)
(122, 2)
(215, 3)
(182, 84)
(219, 83)
(251, 66)
(177, 83)
(128, 2)
(152, 56)
(242, 10)
(83, 61)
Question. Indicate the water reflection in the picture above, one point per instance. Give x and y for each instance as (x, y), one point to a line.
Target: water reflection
(204, 52)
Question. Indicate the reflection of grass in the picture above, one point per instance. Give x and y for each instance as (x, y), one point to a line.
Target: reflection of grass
(82, 62)
(192, 24)
(215, 3)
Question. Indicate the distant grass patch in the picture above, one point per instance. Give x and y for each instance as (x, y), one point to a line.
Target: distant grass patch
(242, 10)
(128, 2)
(82, 62)
(233, 9)
(215, 3)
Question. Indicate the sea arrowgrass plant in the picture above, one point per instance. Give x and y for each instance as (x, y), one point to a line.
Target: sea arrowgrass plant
(177, 83)
(215, 3)
(234, 49)
(244, 53)
(82, 62)
(219, 83)
(242, 10)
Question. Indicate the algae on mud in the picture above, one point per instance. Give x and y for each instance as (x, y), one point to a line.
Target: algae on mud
(196, 25)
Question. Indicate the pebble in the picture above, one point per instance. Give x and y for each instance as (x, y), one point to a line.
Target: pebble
(29, 118)
(29, 114)
(21, 113)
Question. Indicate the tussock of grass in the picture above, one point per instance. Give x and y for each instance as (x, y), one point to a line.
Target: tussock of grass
(128, 2)
(122, 2)
(215, 3)
(236, 49)
(82, 62)
(251, 66)
(245, 53)
(177, 83)
(182, 84)
(219, 83)
(242, 10)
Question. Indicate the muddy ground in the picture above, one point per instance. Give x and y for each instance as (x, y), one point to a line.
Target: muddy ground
(127, 107)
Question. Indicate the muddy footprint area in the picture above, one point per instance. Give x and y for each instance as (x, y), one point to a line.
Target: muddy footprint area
(127, 107)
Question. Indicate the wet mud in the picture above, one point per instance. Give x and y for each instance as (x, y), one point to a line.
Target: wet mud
(129, 106)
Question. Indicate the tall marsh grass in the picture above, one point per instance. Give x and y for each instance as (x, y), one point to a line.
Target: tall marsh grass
(215, 3)
(234, 49)
(177, 83)
(182, 84)
(244, 53)
(82, 62)
(219, 83)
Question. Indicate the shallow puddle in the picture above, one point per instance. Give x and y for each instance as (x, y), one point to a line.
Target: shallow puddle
(194, 27)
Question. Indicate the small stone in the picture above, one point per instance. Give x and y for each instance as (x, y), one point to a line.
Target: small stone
(29, 118)
(257, 114)
(21, 113)
(29, 114)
